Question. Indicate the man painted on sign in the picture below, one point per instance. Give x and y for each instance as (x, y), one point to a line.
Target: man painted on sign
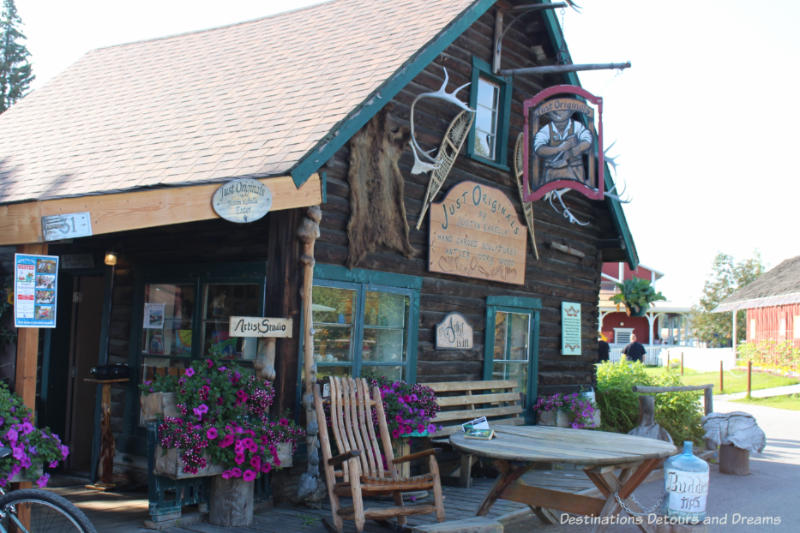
(561, 143)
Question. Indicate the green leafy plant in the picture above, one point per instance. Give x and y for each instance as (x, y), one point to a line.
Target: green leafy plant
(636, 294)
(677, 412)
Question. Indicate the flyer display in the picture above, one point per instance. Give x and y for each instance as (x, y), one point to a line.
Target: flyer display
(35, 290)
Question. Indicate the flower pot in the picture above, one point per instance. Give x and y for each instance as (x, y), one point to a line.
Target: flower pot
(156, 405)
(230, 502)
(284, 450)
(638, 311)
(546, 418)
(563, 419)
(169, 463)
(27, 475)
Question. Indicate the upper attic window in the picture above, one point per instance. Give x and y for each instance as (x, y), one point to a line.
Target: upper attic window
(491, 98)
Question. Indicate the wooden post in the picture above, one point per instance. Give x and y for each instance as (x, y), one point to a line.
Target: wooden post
(667, 359)
(681, 363)
(708, 398)
(749, 377)
(309, 487)
(28, 348)
(721, 384)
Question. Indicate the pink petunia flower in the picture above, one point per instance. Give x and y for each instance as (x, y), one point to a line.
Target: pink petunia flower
(249, 475)
(189, 372)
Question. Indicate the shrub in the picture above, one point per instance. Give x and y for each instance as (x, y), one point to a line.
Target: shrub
(677, 412)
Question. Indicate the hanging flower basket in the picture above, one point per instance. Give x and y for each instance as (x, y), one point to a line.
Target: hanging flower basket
(638, 311)
(636, 295)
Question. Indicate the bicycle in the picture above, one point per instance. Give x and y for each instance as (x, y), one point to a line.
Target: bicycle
(43, 511)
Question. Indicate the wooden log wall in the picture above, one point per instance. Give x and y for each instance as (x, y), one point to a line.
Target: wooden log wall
(555, 278)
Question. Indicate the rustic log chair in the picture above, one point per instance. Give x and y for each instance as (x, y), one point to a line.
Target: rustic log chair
(359, 469)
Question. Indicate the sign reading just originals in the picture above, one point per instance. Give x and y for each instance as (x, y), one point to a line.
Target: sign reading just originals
(475, 232)
(242, 200)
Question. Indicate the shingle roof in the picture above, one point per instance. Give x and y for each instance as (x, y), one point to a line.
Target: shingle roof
(779, 286)
(243, 100)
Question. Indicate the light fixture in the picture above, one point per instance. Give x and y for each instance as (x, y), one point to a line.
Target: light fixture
(110, 259)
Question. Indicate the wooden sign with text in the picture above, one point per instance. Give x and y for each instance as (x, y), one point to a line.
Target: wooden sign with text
(570, 328)
(454, 333)
(476, 232)
(253, 326)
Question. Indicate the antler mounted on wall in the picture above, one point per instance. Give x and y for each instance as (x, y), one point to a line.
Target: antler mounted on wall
(424, 161)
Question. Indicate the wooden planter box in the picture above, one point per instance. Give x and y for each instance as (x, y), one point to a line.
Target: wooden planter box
(169, 464)
(284, 454)
(553, 418)
(157, 405)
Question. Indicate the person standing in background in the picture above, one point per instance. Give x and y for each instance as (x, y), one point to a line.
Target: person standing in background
(634, 351)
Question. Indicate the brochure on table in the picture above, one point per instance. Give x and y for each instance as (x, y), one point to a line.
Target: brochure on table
(477, 428)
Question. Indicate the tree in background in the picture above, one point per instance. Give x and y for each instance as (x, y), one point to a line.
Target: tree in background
(726, 276)
(15, 69)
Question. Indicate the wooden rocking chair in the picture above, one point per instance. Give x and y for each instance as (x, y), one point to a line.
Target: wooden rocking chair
(359, 469)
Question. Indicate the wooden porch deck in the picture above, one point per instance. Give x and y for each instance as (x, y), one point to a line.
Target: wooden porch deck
(126, 512)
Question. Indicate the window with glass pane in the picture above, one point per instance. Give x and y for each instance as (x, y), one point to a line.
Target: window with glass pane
(486, 113)
(511, 341)
(167, 327)
(384, 332)
(220, 302)
(359, 329)
(332, 310)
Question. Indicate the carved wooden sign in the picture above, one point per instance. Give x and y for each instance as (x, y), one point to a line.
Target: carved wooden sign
(252, 326)
(570, 328)
(476, 232)
(242, 200)
(453, 333)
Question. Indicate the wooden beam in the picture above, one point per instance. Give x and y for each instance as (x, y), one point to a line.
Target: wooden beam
(22, 223)
(28, 349)
(560, 69)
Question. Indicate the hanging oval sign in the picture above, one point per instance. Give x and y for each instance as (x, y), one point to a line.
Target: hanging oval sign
(242, 200)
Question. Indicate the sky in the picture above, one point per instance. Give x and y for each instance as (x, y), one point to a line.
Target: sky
(704, 123)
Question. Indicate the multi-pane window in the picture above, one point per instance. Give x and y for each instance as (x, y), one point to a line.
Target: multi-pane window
(490, 97)
(188, 317)
(362, 328)
(512, 338)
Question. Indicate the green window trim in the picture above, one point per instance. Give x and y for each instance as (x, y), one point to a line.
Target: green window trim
(515, 304)
(371, 280)
(482, 69)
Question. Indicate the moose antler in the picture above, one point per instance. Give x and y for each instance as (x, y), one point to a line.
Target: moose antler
(420, 155)
(557, 194)
(612, 163)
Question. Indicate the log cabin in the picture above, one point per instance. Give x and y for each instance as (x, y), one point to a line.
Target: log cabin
(125, 150)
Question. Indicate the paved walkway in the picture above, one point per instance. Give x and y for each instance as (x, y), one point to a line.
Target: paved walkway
(762, 393)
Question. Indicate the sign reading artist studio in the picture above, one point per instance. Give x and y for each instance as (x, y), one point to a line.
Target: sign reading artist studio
(476, 232)
(242, 200)
(265, 327)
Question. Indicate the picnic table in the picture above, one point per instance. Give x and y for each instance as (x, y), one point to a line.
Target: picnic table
(614, 462)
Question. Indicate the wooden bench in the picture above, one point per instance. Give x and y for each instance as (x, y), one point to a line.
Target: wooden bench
(460, 402)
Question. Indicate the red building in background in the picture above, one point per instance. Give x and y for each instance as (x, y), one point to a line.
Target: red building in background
(663, 323)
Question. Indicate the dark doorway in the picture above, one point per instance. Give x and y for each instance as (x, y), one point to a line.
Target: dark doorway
(68, 400)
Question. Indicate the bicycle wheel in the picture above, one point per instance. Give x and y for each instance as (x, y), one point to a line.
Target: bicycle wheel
(48, 513)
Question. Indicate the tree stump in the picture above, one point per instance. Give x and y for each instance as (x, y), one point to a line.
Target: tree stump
(733, 460)
(230, 502)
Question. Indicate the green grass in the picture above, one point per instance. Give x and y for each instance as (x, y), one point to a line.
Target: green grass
(791, 402)
(732, 380)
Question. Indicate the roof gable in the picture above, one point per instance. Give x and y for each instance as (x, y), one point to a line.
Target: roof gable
(779, 286)
(247, 100)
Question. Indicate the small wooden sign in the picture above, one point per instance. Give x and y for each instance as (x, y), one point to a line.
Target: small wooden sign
(453, 333)
(476, 232)
(242, 200)
(254, 326)
(570, 328)
(66, 226)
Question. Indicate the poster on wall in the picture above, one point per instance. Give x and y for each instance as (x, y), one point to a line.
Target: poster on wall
(563, 147)
(153, 315)
(35, 290)
(570, 328)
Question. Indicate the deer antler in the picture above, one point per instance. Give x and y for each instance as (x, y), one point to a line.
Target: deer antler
(612, 162)
(564, 209)
(420, 155)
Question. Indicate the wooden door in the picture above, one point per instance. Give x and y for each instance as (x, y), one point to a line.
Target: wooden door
(84, 351)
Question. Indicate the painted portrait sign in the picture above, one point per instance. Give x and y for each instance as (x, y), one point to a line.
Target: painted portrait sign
(476, 232)
(563, 142)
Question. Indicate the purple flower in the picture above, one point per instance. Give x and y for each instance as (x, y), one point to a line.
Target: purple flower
(42, 481)
(64, 451)
(212, 433)
(189, 372)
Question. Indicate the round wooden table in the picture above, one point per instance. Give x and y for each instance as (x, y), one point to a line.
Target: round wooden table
(614, 462)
